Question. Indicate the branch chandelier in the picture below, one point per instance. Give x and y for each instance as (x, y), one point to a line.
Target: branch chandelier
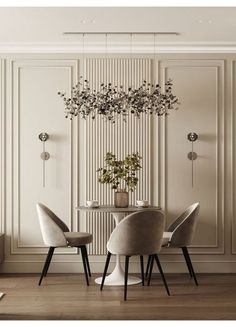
(112, 100)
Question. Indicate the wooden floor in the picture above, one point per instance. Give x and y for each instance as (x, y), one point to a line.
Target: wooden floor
(67, 297)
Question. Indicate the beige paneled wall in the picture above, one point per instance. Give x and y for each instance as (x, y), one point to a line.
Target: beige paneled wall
(205, 84)
(32, 108)
(200, 86)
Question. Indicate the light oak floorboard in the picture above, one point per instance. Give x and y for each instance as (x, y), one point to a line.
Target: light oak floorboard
(66, 297)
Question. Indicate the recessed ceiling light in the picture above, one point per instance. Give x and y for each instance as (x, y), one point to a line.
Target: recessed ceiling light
(92, 21)
(83, 21)
(209, 21)
(200, 21)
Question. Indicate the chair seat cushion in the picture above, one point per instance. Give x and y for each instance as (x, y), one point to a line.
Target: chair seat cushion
(166, 238)
(78, 238)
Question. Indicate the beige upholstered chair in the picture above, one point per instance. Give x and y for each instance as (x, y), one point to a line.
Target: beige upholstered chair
(180, 234)
(56, 234)
(139, 233)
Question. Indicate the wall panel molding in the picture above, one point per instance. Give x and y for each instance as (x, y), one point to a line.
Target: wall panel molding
(217, 69)
(233, 155)
(216, 254)
(18, 68)
(2, 145)
(77, 48)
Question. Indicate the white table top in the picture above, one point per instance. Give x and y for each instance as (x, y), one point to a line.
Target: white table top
(110, 208)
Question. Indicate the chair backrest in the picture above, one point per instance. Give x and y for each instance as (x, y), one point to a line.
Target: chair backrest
(139, 233)
(183, 227)
(52, 227)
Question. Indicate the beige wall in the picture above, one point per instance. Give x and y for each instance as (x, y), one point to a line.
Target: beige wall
(30, 105)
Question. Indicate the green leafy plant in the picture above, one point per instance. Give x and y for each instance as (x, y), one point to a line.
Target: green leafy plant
(120, 172)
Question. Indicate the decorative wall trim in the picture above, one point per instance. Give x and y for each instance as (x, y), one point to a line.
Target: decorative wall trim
(233, 156)
(218, 66)
(76, 266)
(17, 247)
(206, 259)
(76, 47)
(2, 146)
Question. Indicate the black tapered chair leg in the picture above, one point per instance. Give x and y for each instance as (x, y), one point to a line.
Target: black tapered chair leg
(190, 264)
(49, 261)
(105, 270)
(142, 269)
(148, 266)
(126, 276)
(87, 261)
(150, 269)
(187, 262)
(46, 264)
(83, 254)
(162, 274)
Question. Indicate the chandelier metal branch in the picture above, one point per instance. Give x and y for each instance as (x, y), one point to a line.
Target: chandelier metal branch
(111, 100)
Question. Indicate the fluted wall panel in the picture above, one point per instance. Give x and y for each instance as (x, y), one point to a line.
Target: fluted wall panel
(120, 138)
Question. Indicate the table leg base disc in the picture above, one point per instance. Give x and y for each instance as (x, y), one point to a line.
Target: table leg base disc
(112, 280)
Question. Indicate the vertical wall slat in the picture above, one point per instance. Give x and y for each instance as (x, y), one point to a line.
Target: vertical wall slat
(121, 138)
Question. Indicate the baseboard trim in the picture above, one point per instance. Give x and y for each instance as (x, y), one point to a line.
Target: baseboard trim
(97, 267)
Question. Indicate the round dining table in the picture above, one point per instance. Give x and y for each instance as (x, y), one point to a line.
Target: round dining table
(117, 275)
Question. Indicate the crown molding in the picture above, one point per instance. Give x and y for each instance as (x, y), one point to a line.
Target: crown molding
(147, 48)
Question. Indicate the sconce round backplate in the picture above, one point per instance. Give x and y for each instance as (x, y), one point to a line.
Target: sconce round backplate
(192, 155)
(44, 155)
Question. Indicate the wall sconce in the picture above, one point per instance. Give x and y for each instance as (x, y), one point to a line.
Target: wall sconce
(192, 137)
(44, 155)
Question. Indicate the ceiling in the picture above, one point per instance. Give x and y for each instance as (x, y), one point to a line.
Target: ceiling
(44, 26)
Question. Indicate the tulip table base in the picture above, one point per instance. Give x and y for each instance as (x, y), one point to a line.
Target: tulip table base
(117, 277)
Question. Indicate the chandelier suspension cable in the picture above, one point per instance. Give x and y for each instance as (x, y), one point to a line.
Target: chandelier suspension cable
(111, 100)
(106, 47)
(106, 81)
(83, 60)
(106, 60)
(131, 61)
(154, 40)
(154, 61)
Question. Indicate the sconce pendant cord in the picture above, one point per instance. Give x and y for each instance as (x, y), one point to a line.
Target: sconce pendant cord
(43, 165)
(192, 163)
